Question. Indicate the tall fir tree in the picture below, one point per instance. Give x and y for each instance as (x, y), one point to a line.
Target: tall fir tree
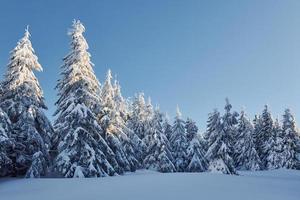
(112, 121)
(266, 140)
(229, 126)
(212, 126)
(218, 153)
(246, 157)
(82, 151)
(289, 141)
(178, 143)
(23, 101)
(158, 153)
(195, 151)
(278, 134)
(131, 139)
(138, 123)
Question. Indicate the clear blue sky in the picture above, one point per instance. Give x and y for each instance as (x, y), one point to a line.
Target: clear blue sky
(191, 53)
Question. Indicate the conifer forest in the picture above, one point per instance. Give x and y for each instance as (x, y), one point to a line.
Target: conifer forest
(97, 132)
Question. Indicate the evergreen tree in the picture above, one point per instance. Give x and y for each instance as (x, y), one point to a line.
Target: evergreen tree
(112, 121)
(289, 141)
(82, 151)
(246, 157)
(131, 139)
(158, 154)
(22, 99)
(195, 151)
(277, 132)
(178, 143)
(229, 126)
(218, 152)
(266, 140)
(212, 126)
(137, 122)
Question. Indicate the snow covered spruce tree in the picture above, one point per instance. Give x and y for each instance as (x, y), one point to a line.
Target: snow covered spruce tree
(82, 151)
(178, 143)
(22, 99)
(158, 154)
(277, 132)
(210, 127)
(112, 121)
(6, 145)
(244, 149)
(289, 141)
(229, 124)
(131, 141)
(266, 140)
(217, 154)
(138, 122)
(195, 151)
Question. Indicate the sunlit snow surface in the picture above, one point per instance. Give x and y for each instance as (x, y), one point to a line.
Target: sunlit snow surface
(147, 185)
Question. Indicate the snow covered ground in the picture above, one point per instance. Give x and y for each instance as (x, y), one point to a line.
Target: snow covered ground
(147, 185)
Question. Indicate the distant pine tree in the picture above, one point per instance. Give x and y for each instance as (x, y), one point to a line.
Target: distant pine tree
(179, 143)
(138, 122)
(229, 124)
(22, 99)
(246, 157)
(289, 141)
(158, 154)
(277, 150)
(217, 154)
(112, 120)
(195, 151)
(266, 140)
(212, 126)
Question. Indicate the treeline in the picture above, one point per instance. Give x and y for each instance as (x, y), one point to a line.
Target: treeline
(97, 132)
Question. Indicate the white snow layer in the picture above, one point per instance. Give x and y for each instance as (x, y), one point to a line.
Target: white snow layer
(148, 185)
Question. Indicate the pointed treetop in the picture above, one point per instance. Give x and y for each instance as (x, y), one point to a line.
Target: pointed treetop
(243, 111)
(287, 111)
(167, 117)
(117, 87)
(288, 115)
(109, 75)
(228, 106)
(149, 101)
(178, 113)
(141, 98)
(266, 107)
(27, 34)
(77, 27)
(116, 83)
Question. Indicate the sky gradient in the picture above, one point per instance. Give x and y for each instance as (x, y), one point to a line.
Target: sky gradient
(190, 53)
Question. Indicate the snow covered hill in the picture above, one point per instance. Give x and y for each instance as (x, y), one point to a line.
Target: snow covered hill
(148, 185)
